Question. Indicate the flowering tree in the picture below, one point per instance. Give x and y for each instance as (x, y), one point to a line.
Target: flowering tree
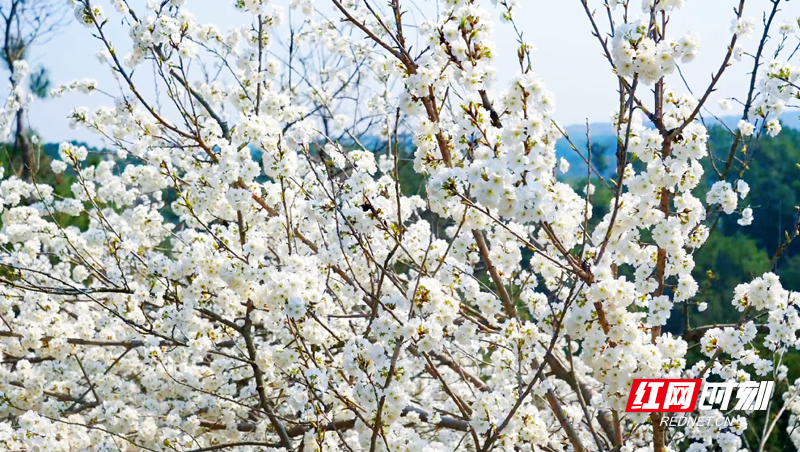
(254, 276)
(23, 25)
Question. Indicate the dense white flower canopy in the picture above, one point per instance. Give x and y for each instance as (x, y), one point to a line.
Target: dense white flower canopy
(253, 276)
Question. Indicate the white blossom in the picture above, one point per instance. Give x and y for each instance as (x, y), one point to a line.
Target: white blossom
(246, 266)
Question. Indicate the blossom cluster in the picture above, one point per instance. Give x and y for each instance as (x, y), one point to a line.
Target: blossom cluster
(251, 273)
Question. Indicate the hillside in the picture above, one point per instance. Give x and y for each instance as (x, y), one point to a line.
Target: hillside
(604, 142)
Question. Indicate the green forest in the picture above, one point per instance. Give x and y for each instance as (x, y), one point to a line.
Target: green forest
(737, 254)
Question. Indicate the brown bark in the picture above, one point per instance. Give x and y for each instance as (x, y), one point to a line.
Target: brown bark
(22, 146)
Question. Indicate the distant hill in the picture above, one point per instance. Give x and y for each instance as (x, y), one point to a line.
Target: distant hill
(602, 135)
(604, 142)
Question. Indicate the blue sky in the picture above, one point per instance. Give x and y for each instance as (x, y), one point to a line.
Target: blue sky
(568, 57)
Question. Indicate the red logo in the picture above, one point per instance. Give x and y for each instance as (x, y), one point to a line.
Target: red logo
(663, 395)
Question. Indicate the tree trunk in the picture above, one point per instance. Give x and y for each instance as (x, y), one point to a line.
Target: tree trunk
(23, 147)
